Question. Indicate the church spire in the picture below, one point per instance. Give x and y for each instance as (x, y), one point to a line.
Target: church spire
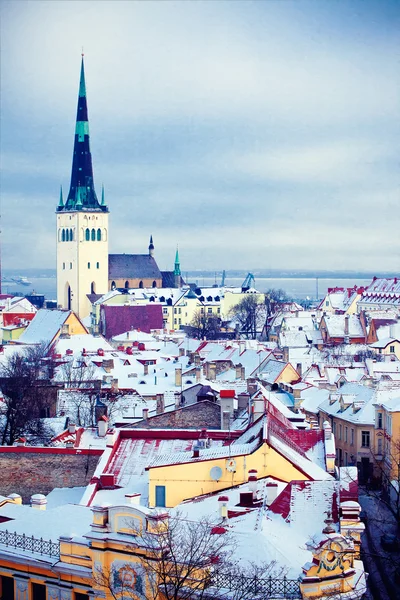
(82, 183)
(61, 201)
(151, 246)
(177, 270)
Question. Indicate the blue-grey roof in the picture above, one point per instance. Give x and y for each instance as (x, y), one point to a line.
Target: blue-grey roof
(44, 326)
(132, 266)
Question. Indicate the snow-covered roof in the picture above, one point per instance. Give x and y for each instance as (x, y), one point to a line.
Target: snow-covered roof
(335, 325)
(44, 326)
(353, 403)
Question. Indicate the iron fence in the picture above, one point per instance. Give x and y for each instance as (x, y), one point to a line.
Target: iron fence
(265, 587)
(30, 543)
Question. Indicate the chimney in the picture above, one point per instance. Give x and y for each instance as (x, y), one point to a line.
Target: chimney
(327, 430)
(145, 414)
(160, 403)
(197, 358)
(178, 376)
(246, 499)
(346, 324)
(238, 369)
(102, 426)
(212, 371)
(69, 443)
(223, 507)
(71, 428)
(198, 373)
(243, 373)
(226, 420)
(196, 452)
(272, 492)
(38, 501)
(181, 351)
(252, 480)
(145, 369)
(252, 386)
(21, 441)
(299, 369)
(133, 499)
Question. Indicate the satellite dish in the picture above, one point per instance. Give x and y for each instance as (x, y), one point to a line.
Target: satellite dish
(216, 473)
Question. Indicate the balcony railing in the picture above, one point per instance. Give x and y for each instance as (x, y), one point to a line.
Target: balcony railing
(29, 544)
(262, 587)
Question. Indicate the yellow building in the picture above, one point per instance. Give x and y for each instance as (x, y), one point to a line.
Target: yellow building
(387, 445)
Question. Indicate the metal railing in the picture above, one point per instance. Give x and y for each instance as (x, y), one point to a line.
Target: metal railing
(265, 587)
(29, 543)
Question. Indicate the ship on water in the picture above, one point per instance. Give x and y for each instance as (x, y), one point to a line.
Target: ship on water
(21, 280)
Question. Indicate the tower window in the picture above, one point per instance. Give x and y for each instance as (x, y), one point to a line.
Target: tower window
(63, 235)
(88, 265)
(113, 286)
(64, 266)
(93, 235)
(71, 235)
(154, 284)
(141, 284)
(99, 235)
(87, 235)
(70, 265)
(67, 235)
(97, 265)
(126, 284)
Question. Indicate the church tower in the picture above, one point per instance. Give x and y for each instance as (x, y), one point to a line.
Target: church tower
(82, 225)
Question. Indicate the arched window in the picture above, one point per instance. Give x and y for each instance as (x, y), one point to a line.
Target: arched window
(99, 235)
(71, 235)
(67, 235)
(63, 235)
(126, 285)
(113, 286)
(141, 284)
(87, 234)
(104, 235)
(93, 235)
(154, 283)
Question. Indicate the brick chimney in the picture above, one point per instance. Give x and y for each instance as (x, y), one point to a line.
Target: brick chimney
(160, 403)
(178, 376)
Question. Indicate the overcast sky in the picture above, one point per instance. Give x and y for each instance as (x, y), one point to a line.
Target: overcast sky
(253, 134)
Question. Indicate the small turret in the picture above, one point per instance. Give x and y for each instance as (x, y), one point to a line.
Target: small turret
(177, 270)
(61, 202)
(151, 247)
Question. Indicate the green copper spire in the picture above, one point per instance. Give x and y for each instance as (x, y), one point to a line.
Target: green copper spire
(61, 202)
(177, 270)
(82, 169)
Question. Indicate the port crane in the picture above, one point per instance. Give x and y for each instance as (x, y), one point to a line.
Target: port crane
(248, 282)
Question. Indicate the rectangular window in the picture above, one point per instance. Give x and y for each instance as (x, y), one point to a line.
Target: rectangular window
(179, 321)
(340, 432)
(175, 321)
(88, 265)
(63, 266)
(379, 445)
(379, 420)
(327, 303)
(365, 439)
(345, 459)
(209, 311)
(97, 265)
(38, 591)
(391, 349)
(80, 596)
(179, 310)
(175, 310)
(352, 437)
(334, 428)
(70, 265)
(346, 429)
(6, 586)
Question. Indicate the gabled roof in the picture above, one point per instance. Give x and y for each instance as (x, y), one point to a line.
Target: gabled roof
(119, 319)
(44, 326)
(132, 266)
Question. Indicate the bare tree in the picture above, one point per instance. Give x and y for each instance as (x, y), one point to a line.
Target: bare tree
(183, 560)
(21, 377)
(81, 390)
(205, 325)
(250, 315)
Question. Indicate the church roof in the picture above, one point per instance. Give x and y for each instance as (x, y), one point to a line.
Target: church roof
(119, 319)
(168, 279)
(132, 266)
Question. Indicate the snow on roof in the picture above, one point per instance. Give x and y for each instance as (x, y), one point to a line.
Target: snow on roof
(44, 326)
(383, 343)
(66, 520)
(86, 341)
(384, 285)
(335, 325)
(271, 369)
(312, 398)
(61, 496)
(354, 395)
